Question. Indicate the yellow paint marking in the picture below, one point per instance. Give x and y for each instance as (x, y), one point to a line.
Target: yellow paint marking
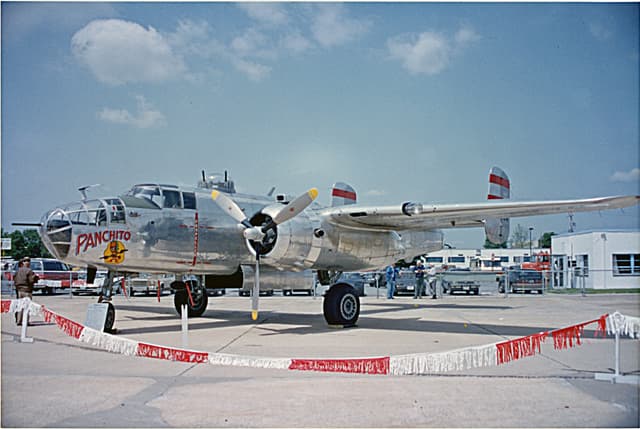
(313, 193)
(254, 315)
(214, 194)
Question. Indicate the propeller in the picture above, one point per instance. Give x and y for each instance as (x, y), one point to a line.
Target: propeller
(259, 235)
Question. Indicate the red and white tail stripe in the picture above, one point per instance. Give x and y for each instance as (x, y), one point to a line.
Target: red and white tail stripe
(499, 185)
(342, 194)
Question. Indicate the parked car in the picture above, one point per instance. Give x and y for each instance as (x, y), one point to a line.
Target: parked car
(52, 274)
(354, 279)
(460, 280)
(81, 286)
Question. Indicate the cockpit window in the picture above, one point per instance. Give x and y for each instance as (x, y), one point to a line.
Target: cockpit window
(189, 199)
(116, 210)
(172, 199)
(147, 192)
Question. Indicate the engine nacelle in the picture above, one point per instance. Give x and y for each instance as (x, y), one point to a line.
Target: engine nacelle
(288, 245)
(497, 230)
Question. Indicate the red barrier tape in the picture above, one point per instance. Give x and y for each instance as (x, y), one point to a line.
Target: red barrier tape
(361, 366)
(168, 353)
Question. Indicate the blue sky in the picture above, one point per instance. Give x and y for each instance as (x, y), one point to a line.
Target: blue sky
(411, 101)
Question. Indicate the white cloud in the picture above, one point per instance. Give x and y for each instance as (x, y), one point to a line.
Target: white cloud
(253, 43)
(600, 31)
(254, 71)
(295, 43)
(147, 116)
(428, 52)
(332, 27)
(119, 52)
(265, 13)
(375, 193)
(632, 175)
(466, 35)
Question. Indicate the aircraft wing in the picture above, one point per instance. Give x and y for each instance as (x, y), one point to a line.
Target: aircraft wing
(440, 216)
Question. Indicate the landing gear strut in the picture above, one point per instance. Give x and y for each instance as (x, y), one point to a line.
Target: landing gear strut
(105, 297)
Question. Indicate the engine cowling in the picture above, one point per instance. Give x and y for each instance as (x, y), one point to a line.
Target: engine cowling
(288, 245)
(497, 230)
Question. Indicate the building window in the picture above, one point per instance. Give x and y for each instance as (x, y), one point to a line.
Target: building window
(582, 262)
(434, 259)
(626, 264)
(456, 259)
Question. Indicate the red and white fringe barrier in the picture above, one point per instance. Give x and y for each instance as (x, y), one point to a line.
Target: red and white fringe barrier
(419, 363)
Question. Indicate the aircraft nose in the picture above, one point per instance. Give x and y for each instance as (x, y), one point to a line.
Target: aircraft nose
(55, 231)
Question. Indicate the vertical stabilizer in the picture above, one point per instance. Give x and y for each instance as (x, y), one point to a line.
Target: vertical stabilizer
(497, 230)
(499, 185)
(342, 194)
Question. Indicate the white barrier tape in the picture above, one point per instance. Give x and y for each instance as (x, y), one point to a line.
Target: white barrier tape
(454, 360)
(623, 325)
(420, 363)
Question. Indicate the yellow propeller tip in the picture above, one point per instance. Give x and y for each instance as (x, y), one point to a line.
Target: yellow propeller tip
(254, 315)
(313, 193)
(214, 194)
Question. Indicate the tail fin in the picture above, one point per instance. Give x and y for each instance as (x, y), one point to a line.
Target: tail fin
(499, 185)
(342, 194)
(497, 230)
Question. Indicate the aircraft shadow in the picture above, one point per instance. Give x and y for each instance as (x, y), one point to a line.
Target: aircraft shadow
(309, 324)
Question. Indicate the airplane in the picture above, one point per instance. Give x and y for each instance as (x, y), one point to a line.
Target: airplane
(233, 240)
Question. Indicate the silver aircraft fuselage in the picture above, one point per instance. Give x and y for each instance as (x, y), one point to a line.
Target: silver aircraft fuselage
(165, 228)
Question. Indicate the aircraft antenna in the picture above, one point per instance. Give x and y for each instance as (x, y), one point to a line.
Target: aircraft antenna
(204, 179)
(572, 224)
(83, 190)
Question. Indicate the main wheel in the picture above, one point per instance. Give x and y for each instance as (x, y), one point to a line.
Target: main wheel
(200, 301)
(341, 305)
(110, 319)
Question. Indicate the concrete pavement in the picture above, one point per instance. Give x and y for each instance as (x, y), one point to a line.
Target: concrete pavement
(58, 381)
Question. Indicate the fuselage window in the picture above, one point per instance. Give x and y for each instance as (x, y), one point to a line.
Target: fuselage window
(171, 199)
(148, 192)
(189, 199)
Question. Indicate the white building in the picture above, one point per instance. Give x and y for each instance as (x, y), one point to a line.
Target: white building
(468, 258)
(602, 259)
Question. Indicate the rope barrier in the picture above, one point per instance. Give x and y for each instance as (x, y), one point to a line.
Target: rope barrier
(410, 364)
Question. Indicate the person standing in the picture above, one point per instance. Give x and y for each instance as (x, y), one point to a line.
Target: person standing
(391, 281)
(419, 272)
(24, 280)
(432, 276)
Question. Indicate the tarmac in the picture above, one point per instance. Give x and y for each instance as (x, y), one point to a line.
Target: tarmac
(58, 381)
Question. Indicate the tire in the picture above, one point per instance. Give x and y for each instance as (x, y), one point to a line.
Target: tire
(110, 319)
(200, 302)
(341, 305)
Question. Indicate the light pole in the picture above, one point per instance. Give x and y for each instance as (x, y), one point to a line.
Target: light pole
(530, 251)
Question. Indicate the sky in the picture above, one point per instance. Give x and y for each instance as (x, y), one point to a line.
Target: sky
(403, 101)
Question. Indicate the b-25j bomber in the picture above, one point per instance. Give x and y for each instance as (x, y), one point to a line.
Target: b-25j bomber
(234, 240)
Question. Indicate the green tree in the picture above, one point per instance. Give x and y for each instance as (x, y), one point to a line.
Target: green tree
(520, 237)
(25, 243)
(545, 240)
(489, 245)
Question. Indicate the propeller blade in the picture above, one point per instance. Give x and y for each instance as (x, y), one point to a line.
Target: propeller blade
(230, 207)
(296, 206)
(255, 296)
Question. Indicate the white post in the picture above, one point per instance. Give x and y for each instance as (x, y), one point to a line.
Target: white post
(185, 326)
(25, 322)
(617, 345)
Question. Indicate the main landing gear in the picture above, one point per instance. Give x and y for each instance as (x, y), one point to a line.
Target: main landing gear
(341, 305)
(193, 295)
